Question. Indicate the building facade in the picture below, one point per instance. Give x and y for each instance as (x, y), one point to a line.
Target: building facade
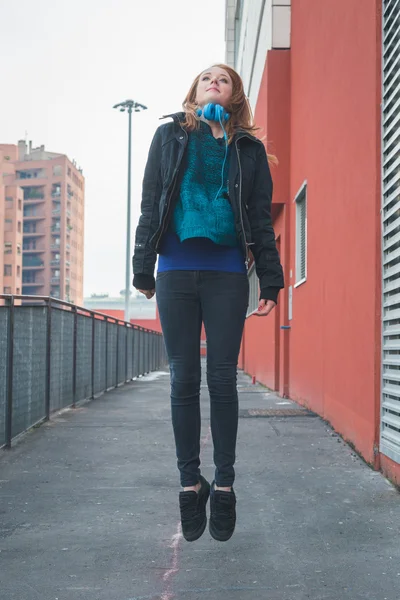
(53, 191)
(142, 312)
(11, 221)
(324, 81)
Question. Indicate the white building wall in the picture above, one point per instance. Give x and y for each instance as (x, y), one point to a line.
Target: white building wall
(254, 27)
(230, 11)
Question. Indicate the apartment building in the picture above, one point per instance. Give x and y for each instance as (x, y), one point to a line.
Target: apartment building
(11, 214)
(53, 190)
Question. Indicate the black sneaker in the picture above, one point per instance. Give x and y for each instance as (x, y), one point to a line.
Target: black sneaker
(223, 514)
(193, 511)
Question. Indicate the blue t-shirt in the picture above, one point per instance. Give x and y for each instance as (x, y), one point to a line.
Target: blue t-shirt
(199, 254)
(202, 234)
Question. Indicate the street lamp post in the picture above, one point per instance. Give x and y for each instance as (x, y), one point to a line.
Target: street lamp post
(129, 105)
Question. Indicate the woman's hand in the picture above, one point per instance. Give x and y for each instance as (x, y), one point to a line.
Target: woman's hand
(148, 293)
(264, 308)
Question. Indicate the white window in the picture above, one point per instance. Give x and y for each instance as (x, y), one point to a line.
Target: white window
(301, 235)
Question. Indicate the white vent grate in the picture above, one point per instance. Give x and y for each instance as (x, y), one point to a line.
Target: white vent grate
(390, 417)
(254, 290)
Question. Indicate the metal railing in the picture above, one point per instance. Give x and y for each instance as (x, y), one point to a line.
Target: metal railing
(54, 354)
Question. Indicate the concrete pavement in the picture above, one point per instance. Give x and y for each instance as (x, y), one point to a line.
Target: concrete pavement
(88, 508)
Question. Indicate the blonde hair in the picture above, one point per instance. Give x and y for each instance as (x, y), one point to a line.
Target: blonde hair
(241, 116)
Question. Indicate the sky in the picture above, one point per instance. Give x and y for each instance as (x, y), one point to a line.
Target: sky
(65, 64)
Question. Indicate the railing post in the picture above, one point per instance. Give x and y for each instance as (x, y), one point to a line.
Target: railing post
(117, 357)
(106, 388)
(148, 352)
(10, 368)
(93, 351)
(75, 345)
(48, 360)
(133, 352)
(126, 353)
(144, 342)
(141, 352)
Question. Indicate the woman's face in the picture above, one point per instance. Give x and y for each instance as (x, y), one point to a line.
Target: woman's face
(214, 86)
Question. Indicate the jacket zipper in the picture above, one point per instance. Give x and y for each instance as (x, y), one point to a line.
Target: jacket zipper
(240, 204)
(170, 195)
(240, 195)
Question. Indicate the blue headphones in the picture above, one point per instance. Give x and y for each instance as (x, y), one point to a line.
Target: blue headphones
(213, 112)
(216, 112)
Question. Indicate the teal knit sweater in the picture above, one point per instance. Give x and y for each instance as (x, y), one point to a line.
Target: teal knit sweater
(199, 213)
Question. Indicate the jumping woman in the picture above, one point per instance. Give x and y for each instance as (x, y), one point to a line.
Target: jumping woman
(206, 205)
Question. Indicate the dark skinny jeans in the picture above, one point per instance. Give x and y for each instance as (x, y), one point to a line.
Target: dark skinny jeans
(186, 299)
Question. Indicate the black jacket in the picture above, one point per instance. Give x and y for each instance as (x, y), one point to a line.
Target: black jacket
(250, 193)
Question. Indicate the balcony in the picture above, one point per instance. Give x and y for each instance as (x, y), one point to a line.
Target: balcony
(32, 262)
(55, 262)
(37, 283)
(33, 267)
(33, 250)
(33, 192)
(56, 194)
(34, 200)
(55, 280)
(68, 247)
(31, 174)
(33, 234)
(68, 213)
(56, 212)
(67, 263)
(33, 217)
(55, 247)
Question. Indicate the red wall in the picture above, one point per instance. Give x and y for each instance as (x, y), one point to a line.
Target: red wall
(335, 146)
(264, 346)
(153, 324)
(261, 340)
(320, 106)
